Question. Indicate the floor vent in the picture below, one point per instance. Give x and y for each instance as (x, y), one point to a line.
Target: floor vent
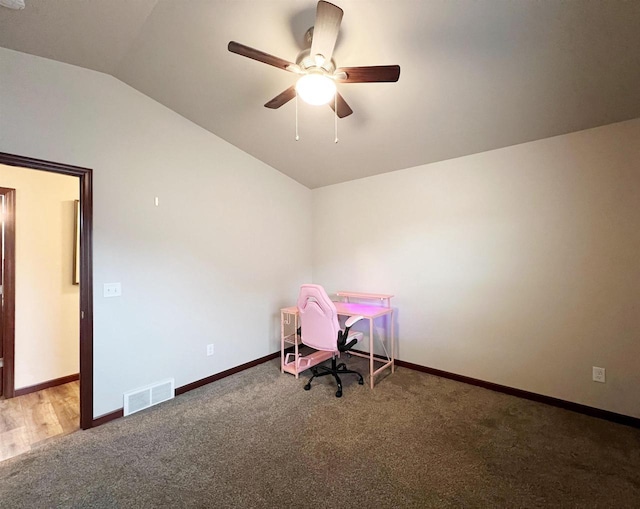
(142, 398)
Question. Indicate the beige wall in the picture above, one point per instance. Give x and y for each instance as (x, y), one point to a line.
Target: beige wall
(519, 266)
(228, 246)
(46, 328)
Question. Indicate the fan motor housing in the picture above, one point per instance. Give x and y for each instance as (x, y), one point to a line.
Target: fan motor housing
(306, 62)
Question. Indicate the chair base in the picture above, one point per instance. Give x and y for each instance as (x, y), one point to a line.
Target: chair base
(340, 369)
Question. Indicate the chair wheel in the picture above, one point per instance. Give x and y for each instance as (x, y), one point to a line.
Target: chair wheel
(361, 382)
(307, 387)
(338, 394)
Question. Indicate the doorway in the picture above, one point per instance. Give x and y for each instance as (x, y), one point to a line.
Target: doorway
(7, 335)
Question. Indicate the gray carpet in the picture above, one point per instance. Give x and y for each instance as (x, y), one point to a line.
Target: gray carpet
(257, 439)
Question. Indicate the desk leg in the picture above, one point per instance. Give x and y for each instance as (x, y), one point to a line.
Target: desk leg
(295, 337)
(393, 346)
(281, 342)
(371, 351)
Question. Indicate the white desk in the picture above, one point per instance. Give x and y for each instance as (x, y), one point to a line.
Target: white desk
(368, 311)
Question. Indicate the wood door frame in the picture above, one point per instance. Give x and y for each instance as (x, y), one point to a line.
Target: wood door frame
(86, 276)
(8, 290)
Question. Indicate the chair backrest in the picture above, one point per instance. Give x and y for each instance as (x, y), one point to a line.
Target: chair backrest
(318, 318)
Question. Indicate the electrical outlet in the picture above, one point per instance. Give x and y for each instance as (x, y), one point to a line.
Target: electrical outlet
(210, 349)
(598, 374)
(112, 290)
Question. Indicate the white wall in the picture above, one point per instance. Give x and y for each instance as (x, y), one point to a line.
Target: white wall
(212, 264)
(519, 266)
(47, 301)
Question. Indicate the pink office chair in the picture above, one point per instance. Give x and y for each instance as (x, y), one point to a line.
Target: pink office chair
(321, 331)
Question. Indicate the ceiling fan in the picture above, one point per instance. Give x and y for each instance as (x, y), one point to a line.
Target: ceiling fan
(317, 70)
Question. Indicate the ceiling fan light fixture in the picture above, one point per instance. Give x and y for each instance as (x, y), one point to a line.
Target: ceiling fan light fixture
(316, 88)
(317, 85)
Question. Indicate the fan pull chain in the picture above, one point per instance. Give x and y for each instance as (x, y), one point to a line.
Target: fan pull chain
(335, 109)
(297, 136)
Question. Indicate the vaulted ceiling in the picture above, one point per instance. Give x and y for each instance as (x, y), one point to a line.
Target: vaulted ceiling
(475, 74)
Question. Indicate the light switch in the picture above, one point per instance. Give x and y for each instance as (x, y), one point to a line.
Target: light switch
(112, 290)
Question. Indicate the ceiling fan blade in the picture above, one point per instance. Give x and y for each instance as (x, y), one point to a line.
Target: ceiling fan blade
(325, 30)
(260, 56)
(371, 74)
(344, 110)
(282, 98)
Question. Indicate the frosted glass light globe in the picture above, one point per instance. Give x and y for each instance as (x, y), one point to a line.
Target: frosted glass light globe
(316, 89)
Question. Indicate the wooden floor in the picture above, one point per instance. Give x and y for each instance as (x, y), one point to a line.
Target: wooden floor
(29, 421)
